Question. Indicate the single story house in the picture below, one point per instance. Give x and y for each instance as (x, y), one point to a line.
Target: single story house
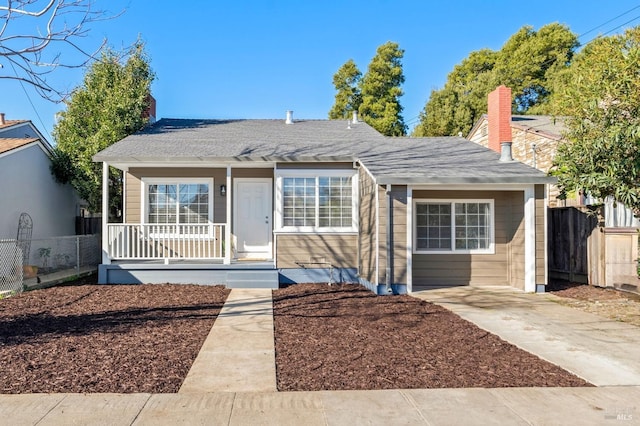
(262, 202)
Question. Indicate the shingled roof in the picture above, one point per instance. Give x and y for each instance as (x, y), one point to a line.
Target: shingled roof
(8, 144)
(390, 160)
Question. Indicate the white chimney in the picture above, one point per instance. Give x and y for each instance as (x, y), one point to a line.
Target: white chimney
(355, 117)
(289, 117)
(2, 121)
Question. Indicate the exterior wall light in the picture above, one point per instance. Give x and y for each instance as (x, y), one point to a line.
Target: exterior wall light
(223, 190)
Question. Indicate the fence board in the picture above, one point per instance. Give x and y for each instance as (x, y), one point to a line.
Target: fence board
(571, 238)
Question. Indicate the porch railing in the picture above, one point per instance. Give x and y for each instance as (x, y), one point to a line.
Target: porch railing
(154, 241)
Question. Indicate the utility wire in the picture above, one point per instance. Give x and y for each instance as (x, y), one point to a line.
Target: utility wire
(619, 26)
(611, 20)
(44, 128)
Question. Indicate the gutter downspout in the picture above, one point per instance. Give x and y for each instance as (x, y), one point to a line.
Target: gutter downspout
(389, 274)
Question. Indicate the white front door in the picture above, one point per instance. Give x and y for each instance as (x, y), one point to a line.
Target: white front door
(252, 217)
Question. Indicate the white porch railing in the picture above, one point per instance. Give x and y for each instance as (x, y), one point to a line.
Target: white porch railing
(154, 241)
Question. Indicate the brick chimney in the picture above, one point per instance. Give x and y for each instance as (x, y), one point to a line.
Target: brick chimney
(2, 120)
(499, 116)
(150, 112)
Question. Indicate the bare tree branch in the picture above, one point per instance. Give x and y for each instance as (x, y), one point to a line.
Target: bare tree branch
(57, 26)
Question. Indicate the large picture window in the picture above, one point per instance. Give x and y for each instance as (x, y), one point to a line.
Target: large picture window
(322, 202)
(445, 226)
(179, 202)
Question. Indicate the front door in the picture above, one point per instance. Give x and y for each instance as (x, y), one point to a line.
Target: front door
(252, 217)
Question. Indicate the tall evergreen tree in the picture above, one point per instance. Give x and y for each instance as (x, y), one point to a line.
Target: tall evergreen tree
(381, 91)
(109, 105)
(348, 98)
(529, 63)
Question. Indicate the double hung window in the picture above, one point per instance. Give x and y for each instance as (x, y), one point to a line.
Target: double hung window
(323, 201)
(445, 226)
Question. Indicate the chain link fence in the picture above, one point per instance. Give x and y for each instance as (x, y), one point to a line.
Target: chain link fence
(11, 270)
(46, 259)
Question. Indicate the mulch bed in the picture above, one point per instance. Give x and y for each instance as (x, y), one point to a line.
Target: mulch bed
(104, 338)
(589, 292)
(343, 337)
(606, 302)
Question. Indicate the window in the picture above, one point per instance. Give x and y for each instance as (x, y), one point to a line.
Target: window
(299, 202)
(182, 202)
(317, 201)
(464, 226)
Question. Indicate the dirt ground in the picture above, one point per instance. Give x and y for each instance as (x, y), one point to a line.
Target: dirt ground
(607, 302)
(343, 337)
(107, 338)
(85, 338)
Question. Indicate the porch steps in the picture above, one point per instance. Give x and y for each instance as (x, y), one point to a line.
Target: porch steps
(252, 278)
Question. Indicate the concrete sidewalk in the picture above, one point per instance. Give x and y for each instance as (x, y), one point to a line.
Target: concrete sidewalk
(512, 406)
(233, 382)
(604, 352)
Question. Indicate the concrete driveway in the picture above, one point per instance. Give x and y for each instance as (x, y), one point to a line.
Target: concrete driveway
(604, 352)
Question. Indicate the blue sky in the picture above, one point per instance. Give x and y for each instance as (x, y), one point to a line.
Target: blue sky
(257, 59)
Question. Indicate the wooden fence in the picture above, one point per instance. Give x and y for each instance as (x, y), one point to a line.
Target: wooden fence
(88, 225)
(583, 250)
(573, 238)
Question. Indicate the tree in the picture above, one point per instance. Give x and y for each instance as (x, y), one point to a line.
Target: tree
(58, 26)
(529, 63)
(110, 104)
(380, 91)
(600, 95)
(348, 98)
(458, 105)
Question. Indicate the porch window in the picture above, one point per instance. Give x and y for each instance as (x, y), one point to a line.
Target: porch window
(179, 202)
(459, 226)
(322, 202)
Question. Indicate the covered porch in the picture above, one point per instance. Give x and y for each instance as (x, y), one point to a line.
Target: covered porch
(182, 224)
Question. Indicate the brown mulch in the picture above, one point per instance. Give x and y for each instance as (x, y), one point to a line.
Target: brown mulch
(607, 302)
(343, 337)
(104, 338)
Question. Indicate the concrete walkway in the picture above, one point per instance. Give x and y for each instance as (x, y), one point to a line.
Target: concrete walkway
(232, 381)
(238, 354)
(603, 352)
(505, 406)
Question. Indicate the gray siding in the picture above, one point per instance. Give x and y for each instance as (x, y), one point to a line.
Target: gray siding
(133, 188)
(338, 249)
(399, 237)
(504, 267)
(367, 234)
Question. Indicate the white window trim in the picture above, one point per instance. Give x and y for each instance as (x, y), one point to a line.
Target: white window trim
(308, 173)
(492, 223)
(145, 182)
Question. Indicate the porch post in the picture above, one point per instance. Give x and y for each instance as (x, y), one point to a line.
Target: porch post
(227, 234)
(529, 239)
(106, 260)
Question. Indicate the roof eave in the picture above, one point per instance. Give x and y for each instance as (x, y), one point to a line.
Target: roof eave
(502, 180)
(190, 160)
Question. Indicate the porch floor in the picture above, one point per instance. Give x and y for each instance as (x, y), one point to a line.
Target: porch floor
(245, 274)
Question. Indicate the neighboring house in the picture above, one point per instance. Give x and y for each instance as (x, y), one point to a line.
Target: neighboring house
(535, 140)
(262, 202)
(28, 185)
